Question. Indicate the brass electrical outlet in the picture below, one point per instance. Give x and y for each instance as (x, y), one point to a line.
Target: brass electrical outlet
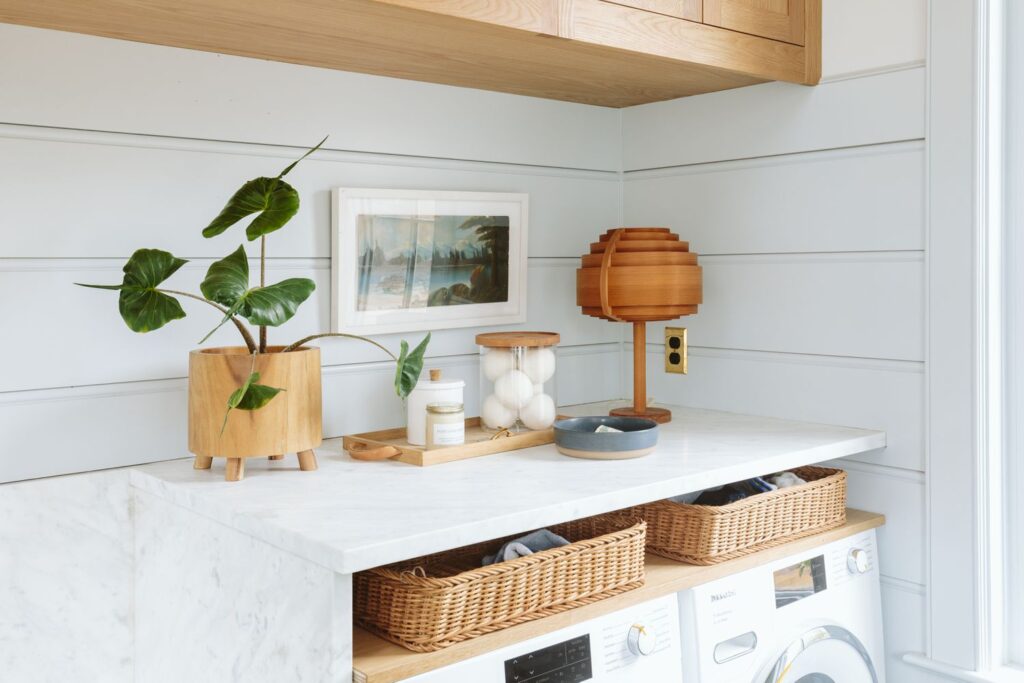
(675, 350)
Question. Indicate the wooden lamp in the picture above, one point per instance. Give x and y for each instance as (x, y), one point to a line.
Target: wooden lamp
(639, 275)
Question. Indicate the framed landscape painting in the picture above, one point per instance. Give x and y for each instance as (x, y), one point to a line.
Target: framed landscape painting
(407, 260)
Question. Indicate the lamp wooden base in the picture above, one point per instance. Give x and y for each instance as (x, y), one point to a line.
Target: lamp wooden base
(235, 468)
(659, 415)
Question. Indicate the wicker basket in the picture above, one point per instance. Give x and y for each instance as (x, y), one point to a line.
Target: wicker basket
(709, 534)
(435, 601)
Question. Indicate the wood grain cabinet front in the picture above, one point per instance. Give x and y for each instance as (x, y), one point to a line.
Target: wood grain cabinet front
(776, 19)
(691, 10)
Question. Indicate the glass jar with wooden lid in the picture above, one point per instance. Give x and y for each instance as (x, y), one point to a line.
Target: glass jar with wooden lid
(517, 380)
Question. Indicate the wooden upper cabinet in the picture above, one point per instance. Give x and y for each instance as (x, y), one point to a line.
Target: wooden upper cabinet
(612, 53)
(776, 19)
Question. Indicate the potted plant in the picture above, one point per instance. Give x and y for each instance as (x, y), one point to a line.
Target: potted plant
(256, 399)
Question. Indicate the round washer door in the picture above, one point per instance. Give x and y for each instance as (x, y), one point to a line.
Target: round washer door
(825, 654)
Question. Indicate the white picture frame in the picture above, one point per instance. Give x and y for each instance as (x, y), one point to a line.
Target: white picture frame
(375, 290)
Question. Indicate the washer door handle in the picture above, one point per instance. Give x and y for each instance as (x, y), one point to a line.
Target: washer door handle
(736, 647)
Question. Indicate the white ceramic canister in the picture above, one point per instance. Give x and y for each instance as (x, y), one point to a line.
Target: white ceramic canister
(433, 390)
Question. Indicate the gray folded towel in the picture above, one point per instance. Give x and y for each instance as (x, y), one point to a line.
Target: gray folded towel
(531, 543)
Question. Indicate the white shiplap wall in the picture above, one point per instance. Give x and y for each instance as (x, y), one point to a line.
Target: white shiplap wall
(109, 146)
(807, 208)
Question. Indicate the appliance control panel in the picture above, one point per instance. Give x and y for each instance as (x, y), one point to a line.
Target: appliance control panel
(565, 662)
(636, 644)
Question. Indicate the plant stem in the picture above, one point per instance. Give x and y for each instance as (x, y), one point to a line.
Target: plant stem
(305, 340)
(250, 343)
(263, 283)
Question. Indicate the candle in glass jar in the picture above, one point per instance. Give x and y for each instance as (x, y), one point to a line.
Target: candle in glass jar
(446, 425)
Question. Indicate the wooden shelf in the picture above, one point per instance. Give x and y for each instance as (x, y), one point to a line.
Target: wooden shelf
(375, 660)
(588, 51)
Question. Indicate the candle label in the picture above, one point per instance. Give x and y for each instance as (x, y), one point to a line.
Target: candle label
(452, 434)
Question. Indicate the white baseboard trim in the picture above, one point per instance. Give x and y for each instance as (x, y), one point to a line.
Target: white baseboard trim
(1001, 675)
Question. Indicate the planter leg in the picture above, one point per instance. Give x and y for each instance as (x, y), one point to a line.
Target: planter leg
(307, 460)
(235, 469)
(202, 462)
(275, 457)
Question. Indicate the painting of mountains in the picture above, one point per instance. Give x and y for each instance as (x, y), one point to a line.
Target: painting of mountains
(408, 262)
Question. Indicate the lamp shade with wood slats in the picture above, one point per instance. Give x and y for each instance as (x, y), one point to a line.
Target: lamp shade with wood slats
(639, 275)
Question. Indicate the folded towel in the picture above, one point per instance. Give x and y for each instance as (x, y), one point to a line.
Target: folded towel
(531, 543)
(688, 498)
(787, 479)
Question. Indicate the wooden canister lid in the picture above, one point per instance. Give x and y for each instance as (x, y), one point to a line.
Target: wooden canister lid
(507, 340)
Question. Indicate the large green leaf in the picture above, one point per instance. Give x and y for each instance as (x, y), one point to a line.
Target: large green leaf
(249, 396)
(227, 283)
(276, 304)
(227, 280)
(274, 200)
(409, 367)
(142, 307)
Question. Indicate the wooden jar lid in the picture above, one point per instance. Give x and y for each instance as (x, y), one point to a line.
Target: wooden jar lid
(508, 340)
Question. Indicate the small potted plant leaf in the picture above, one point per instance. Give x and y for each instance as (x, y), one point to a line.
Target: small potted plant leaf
(256, 399)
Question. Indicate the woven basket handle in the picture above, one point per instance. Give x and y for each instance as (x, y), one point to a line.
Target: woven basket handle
(606, 263)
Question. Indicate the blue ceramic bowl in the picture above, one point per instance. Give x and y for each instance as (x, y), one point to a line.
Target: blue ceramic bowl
(575, 436)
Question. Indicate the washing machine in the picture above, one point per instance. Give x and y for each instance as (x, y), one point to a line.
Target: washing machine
(638, 643)
(812, 617)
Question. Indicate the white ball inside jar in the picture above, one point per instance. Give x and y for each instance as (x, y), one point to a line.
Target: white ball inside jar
(539, 364)
(514, 389)
(496, 362)
(495, 415)
(539, 412)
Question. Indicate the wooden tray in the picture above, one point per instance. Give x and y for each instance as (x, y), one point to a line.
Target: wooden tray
(391, 444)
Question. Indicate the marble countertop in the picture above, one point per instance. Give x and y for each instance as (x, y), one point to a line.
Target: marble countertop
(351, 515)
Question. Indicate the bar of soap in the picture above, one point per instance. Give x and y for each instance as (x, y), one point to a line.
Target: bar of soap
(605, 428)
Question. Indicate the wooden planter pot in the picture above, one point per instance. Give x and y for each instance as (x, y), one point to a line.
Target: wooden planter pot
(290, 423)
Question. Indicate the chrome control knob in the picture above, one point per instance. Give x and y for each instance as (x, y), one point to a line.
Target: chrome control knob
(857, 561)
(641, 640)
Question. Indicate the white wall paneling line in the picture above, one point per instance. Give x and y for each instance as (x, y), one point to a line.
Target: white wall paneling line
(868, 198)
(775, 118)
(152, 420)
(360, 112)
(905, 586)
(114, 211)
(878, 71)
(871, 149)
(106, 351)
(773, 258)
(866, 393)
(287, 153)
(866, 305)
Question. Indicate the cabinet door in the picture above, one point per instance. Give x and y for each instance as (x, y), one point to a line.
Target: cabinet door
(775, 19)
(684, 9)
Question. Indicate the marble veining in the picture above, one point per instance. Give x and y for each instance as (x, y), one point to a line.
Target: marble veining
(214, 605)
(66, 579)
(353, 515)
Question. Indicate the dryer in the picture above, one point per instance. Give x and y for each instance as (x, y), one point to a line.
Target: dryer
(812, 617)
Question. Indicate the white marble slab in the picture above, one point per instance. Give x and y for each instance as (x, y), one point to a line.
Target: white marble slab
(353, 515)
(66, 579)
(213, 604)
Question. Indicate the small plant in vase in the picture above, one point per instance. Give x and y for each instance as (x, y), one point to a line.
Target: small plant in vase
(234, 409)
